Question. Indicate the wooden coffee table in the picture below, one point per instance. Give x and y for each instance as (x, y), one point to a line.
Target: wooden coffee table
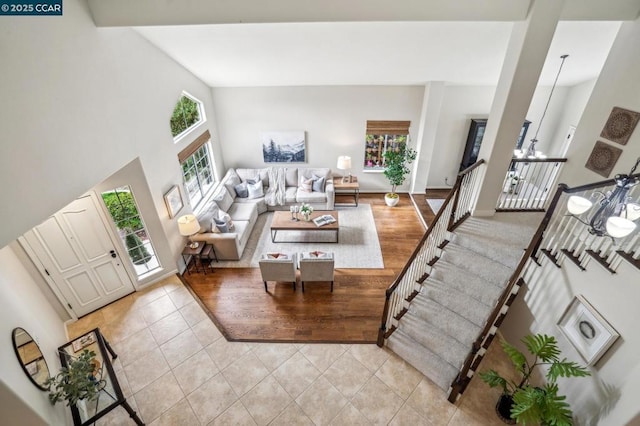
(282, 222)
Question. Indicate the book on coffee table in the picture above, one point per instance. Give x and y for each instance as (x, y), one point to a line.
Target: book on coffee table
(324, 220)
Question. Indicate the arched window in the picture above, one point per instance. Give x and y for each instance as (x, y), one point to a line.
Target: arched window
(187, 114)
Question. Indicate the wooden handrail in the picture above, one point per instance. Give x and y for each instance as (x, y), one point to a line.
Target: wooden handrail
(596, 185)
(539, 160)
(396, 283)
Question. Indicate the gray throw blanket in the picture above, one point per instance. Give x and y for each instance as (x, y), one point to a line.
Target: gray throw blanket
(275, 195)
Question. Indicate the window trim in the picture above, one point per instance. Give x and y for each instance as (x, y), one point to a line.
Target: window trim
(387, 128)
(187, 153)
(203, 118)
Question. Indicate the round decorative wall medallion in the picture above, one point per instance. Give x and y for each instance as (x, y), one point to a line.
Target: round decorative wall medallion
(620, 125)
(603, 158)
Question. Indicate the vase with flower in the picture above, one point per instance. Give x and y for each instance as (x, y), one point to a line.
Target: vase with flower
(306, 211)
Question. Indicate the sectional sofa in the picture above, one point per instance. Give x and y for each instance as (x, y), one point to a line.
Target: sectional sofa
(243, 194)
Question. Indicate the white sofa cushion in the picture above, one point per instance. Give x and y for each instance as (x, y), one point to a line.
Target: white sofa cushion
(291, 176)
(243, 211)
(223, 198)
(310, 197)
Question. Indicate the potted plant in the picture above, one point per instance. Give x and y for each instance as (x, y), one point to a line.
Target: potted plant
(396, 169)
(77, 381)
(306, 211)
(524, 403)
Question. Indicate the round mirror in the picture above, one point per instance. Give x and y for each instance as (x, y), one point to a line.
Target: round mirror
(30, 357)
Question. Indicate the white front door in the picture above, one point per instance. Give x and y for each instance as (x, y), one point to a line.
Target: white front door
(80, 256)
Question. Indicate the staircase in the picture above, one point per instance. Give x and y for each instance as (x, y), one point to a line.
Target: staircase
(449, 309)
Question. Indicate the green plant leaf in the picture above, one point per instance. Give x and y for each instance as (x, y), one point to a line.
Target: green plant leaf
(566, 368)
(528, 405)
(517, 358)
(543, 346)
(493, 379)
(556, 410)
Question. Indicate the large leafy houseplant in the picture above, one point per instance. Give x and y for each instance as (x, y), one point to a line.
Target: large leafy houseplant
(396, 170)
(533, 404)
(76, 381)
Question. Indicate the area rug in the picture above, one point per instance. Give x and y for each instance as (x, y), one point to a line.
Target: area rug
(358, 247)
(435, 204)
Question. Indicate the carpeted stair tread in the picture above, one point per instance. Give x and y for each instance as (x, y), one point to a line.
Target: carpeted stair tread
(475, 286)
(443, 345)
(507, 255)
(448, 321)
(421, 358)
(475, 263)
(452, 299)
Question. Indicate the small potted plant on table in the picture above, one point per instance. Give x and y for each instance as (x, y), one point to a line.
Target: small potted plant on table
(77, 381)
(306, 211)
(527, 404)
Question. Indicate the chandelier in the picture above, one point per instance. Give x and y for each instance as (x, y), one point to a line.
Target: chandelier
(531, 151)
(616, 212)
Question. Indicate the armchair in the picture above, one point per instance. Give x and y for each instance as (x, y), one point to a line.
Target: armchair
(316, 266)
(278, 267)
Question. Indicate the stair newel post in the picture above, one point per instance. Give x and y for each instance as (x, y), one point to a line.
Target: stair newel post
(538, 236)
(383, 326)
(456, 200)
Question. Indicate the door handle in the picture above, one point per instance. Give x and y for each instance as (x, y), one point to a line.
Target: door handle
(113, 253)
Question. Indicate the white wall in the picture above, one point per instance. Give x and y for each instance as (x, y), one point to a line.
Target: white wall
(460, 105)
(23, 305)
(333, 117)
(90, 101)
(615, 296)
(572, 110)
(618, 85)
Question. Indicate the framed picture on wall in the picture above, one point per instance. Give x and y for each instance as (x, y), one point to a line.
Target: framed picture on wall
(587, 330)
(283, 147)
(173, 200)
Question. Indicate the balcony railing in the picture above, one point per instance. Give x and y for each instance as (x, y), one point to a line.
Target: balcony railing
(529, 184)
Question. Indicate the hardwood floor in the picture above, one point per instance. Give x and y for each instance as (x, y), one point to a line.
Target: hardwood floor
(237, 303)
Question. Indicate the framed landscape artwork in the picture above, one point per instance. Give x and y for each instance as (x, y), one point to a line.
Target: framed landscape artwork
(173, 200)
(587, 330)
(283, 147)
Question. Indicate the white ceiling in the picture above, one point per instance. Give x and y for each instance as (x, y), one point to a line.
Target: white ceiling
(363, 42)
(371, 53)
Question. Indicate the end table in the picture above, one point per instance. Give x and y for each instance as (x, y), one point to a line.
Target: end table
(192, 255)
(350, 188)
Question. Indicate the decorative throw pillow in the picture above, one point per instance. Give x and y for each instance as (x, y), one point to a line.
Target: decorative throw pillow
(318, 184)
(241, 190)
(255, 190)
(224, 216)
(223, 199)
(221, 225)
(205, 218)
(277, 256)
(231, 181)
(306, 185)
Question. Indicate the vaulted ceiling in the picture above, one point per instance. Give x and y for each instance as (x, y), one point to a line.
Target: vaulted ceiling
(373, 42)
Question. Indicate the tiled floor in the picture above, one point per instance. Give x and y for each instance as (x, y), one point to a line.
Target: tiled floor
(175, 368)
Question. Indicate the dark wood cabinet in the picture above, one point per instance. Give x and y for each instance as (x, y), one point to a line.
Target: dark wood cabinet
(474, 140)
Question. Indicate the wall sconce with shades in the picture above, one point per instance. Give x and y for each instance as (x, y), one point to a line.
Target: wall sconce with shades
(531, 151)
(616, 213)
(188, 226)
(344, 163)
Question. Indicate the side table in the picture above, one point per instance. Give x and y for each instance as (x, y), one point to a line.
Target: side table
(110, 394)
(349, 188)
(192, 255)
(208, 254)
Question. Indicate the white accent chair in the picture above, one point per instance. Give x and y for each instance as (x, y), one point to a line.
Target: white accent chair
(278, 267)
(316, 266)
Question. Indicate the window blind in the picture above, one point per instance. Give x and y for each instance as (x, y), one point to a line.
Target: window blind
(388, 127)
(194, 146)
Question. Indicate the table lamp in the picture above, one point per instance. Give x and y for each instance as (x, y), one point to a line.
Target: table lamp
(188, 226)
(344, 163)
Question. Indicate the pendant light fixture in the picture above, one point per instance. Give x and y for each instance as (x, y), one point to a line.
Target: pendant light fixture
(531, 151)
(616, 211)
